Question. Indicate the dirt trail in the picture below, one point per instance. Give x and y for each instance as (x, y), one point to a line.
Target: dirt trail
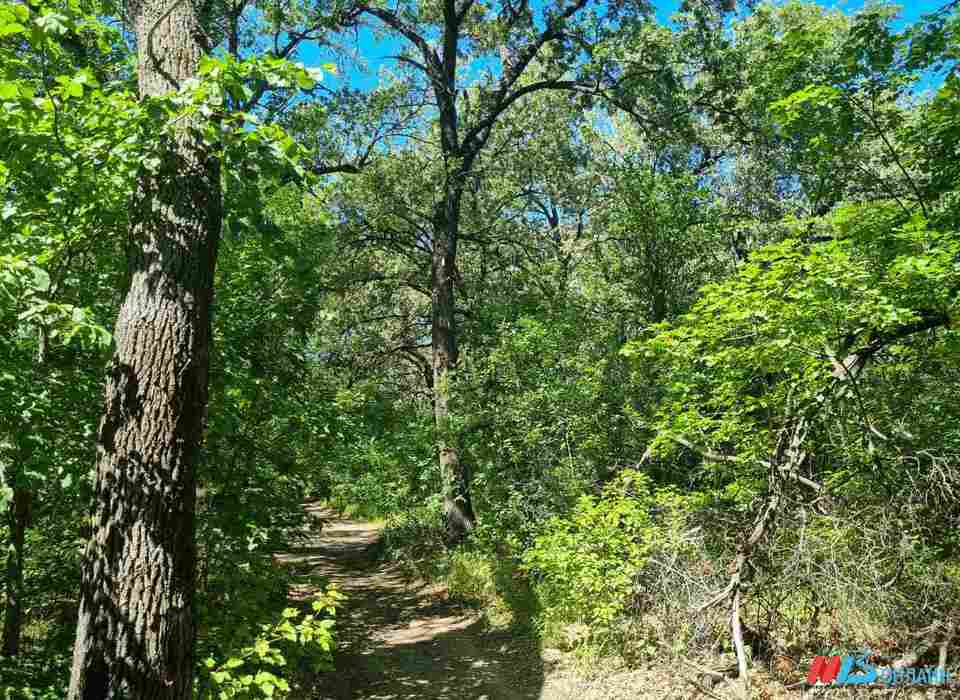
(401, 641)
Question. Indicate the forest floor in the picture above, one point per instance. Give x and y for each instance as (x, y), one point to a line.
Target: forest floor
(405, 640)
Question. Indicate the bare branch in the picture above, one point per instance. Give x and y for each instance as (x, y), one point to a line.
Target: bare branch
(392, 20)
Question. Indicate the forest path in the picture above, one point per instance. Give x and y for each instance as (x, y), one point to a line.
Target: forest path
(400, 640)
(404, 640)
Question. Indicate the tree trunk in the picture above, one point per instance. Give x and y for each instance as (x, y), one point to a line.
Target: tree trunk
(454, 472)
(19, 521)
(135, 635)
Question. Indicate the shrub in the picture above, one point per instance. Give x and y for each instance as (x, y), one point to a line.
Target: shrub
(470, 577)
(257, 669)
(34, 675)
(586, 565)
(414, 538)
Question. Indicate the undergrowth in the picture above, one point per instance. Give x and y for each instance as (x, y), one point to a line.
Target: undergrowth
(626, 573)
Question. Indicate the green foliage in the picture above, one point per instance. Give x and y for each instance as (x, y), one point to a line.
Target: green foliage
(383, 463)
(35, 675)
(772, 337)
(527, 468)
(586, 564)
(760, 230)
(413, 536)
(73, 140)
(471, 577)
(662, 231)
(260, 668)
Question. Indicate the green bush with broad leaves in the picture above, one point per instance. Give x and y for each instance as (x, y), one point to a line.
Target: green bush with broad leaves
(299, 639)
(586, 564)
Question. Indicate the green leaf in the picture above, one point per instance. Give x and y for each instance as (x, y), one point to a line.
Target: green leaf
(41, 280)
(304, 81)
(11, 28)
(74, 89)
(53, 23)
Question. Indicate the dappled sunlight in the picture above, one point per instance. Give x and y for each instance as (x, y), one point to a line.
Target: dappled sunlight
(403, 639)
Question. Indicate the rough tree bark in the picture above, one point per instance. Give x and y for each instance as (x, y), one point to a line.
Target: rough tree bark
(135, 635)
(18, 521)
(455, 475)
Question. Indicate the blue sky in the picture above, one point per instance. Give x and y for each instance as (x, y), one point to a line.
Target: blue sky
(377, 51)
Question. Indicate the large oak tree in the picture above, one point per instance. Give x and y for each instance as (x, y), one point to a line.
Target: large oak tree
(136, 630)
(516, 50)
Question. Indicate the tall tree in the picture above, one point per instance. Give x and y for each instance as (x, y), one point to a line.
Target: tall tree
(136, 629)
(532, 52)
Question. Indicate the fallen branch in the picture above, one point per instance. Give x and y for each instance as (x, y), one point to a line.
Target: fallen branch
(794, 457)
(713, 673)
(716, 676)
(713, 456)
(944, 646)
(737, 633)
(929, 634)
(705, 452)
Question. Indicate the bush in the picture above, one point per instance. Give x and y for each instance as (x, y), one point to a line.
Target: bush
(483, 573)
(34, 675)
(861, 575)
(413, 538)
(587, 565)
(470, 577)
(257, 670)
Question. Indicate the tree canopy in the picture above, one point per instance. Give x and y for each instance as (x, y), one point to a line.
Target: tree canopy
(639, 332)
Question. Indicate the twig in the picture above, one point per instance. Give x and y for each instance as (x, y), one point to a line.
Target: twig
(718, 598)
(703, 669)
(703, 690)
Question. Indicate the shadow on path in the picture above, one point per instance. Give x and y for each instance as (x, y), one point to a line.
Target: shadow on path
(400, 641)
